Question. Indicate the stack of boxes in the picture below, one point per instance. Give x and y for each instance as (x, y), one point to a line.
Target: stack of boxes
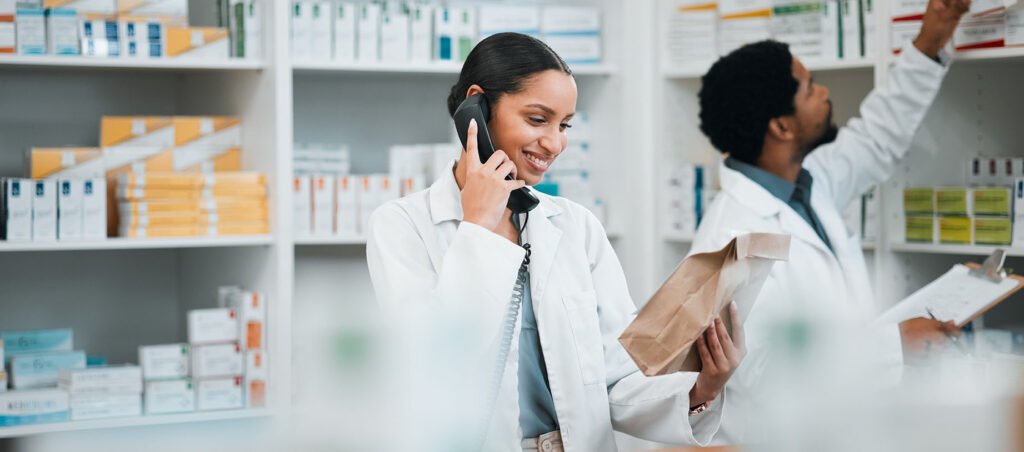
(161, 176)
(127, 29)
(165, 370)
(224, 366)
(229, 360)
(56, 205)
(34, 360)
(989, 24)
(982, 213)
(697, 32)
(688, 194)
(403, 32)
(569, 177)
(103, 392)
(327, 205)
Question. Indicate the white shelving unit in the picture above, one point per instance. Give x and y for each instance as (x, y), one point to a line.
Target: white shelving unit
(644, 119)
(139, 421)
(975, 114)
(168, 64)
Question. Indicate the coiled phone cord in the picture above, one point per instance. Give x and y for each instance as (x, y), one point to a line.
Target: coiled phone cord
(509, 325)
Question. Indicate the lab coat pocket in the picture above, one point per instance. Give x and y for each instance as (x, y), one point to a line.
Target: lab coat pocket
(581, 308)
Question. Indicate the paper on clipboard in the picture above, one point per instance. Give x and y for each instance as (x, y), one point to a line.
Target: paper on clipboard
(956, 296)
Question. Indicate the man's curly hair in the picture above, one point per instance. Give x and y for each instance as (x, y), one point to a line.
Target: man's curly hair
(742, 92)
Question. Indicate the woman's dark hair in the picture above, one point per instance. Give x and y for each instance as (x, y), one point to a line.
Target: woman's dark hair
(500, 64)
(742, 92)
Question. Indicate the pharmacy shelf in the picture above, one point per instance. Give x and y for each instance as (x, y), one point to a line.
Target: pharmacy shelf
(134, 244)
(1005, 53)
(958, 250)
(698, 71)
(138, 421)
(330, 241)
(419, 68)
(163, 64)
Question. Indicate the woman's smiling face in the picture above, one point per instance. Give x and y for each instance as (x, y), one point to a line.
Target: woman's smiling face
(530, 125)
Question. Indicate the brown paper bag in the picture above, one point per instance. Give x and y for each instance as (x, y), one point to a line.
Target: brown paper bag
(660, 340)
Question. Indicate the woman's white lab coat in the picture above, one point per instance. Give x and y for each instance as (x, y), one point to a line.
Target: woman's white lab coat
(420, 251)
(835, 285)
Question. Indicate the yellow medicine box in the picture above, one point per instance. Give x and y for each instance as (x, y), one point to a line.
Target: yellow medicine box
(198, 42)
(955, 230)
(995, 201)
(78, 162)
(953, 201)
(919, 200)
(920, 228)
(993, 231)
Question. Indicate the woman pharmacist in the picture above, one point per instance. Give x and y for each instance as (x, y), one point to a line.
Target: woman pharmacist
(545, 286)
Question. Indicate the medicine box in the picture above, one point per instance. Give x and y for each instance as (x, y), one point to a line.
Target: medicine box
(44, 210)
(62, 32)
(164, 361)
(102, 380)
(37, 341)
(955, 230)
(219, 394)
(920, 200)
(212, 326)
(953, 201)
(997, 201)
(251, 309)
(30, 29)
(368, 28)
(993, 231)
(920, 228)
(16, 224)
(69, 209)
(345, 32)
(198, 42)
(222, 360)
(94, 209)
(41, 370)
(33, 407)
(170, 396)
(105, 406)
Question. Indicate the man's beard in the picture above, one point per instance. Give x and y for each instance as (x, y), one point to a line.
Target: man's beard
(826, 137)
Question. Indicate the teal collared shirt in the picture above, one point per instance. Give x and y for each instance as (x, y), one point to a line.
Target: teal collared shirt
(797, 196)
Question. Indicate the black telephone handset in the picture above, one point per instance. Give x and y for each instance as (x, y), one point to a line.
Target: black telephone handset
(476, 107)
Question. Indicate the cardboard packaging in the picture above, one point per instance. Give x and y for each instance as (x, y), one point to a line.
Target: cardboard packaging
(661, 339)
(170, 396)
(105, 406)
(42, 370)
(44, 210)
(37, 341)
(212, 326)
(169, 361)
(221, 360)
(102, 380)
(16, 224)
(34, 407)
(219, 394)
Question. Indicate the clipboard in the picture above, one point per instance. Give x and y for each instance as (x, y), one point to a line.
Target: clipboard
(962, 294)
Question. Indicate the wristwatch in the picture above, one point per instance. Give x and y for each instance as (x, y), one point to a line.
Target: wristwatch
(700, 408)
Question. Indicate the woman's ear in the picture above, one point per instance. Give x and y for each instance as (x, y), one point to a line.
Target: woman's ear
(474, 90)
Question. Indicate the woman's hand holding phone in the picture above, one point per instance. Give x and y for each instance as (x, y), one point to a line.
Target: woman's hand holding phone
(485, 192)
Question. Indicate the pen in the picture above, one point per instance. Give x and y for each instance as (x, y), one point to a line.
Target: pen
(955, 340)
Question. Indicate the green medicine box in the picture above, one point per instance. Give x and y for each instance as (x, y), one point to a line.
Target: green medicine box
(953, 201)
(955, 230)
(993, 231)
(920, 228)
(919, 200)
(995, 201)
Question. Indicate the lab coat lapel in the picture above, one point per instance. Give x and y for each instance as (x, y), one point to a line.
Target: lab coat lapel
(544, 238)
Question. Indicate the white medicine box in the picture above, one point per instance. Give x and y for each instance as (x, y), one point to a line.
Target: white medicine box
(212, 326)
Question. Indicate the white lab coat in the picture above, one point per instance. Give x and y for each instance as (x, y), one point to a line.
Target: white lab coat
(835, 285)
(419, 245)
